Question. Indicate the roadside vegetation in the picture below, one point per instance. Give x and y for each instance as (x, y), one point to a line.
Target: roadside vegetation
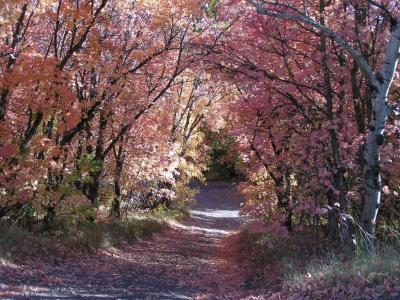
(297, 266)
(18, 243)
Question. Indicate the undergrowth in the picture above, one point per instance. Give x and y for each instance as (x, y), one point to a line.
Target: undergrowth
(289, 261)
(373, 267)
(162, 212)
(17, 243)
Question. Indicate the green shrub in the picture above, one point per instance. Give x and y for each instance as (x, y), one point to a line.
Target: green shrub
(162, 212)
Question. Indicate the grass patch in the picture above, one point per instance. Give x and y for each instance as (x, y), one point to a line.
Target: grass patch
(17, 243)
(91, 236)
(297, 265)
(71, 236)
(374, 268)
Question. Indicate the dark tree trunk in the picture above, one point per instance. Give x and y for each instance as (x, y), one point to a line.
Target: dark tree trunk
(116, 205)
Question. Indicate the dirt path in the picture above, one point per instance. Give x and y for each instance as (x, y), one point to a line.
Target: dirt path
(185, 262)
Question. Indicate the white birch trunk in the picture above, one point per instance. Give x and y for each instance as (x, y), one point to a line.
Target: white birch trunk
(380, 83)
(375, 137)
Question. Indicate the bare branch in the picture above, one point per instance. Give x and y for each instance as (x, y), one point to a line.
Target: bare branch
(305, 19)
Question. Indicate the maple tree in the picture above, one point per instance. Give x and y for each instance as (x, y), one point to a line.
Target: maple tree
(379, 81)
(81, 83)
(305, 102)
(108, 103)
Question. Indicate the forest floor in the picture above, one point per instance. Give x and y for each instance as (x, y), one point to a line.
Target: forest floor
(193, 259)
(207, 256)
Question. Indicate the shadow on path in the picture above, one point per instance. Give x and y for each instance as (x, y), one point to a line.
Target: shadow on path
(176, 264)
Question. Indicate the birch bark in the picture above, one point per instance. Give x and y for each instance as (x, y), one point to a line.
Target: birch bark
(380, 83)
(375, 137)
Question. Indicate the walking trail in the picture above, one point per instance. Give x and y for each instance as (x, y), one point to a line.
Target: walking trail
(190, 260)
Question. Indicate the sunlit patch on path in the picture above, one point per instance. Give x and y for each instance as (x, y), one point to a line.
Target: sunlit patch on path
(183, 262)
(215, 213)
(201, 229)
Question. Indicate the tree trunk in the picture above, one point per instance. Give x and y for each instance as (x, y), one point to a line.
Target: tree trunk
(3, 103)
(335, 159)
(94, 185)
(372, 168)
(375, 137)
(116, 205)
